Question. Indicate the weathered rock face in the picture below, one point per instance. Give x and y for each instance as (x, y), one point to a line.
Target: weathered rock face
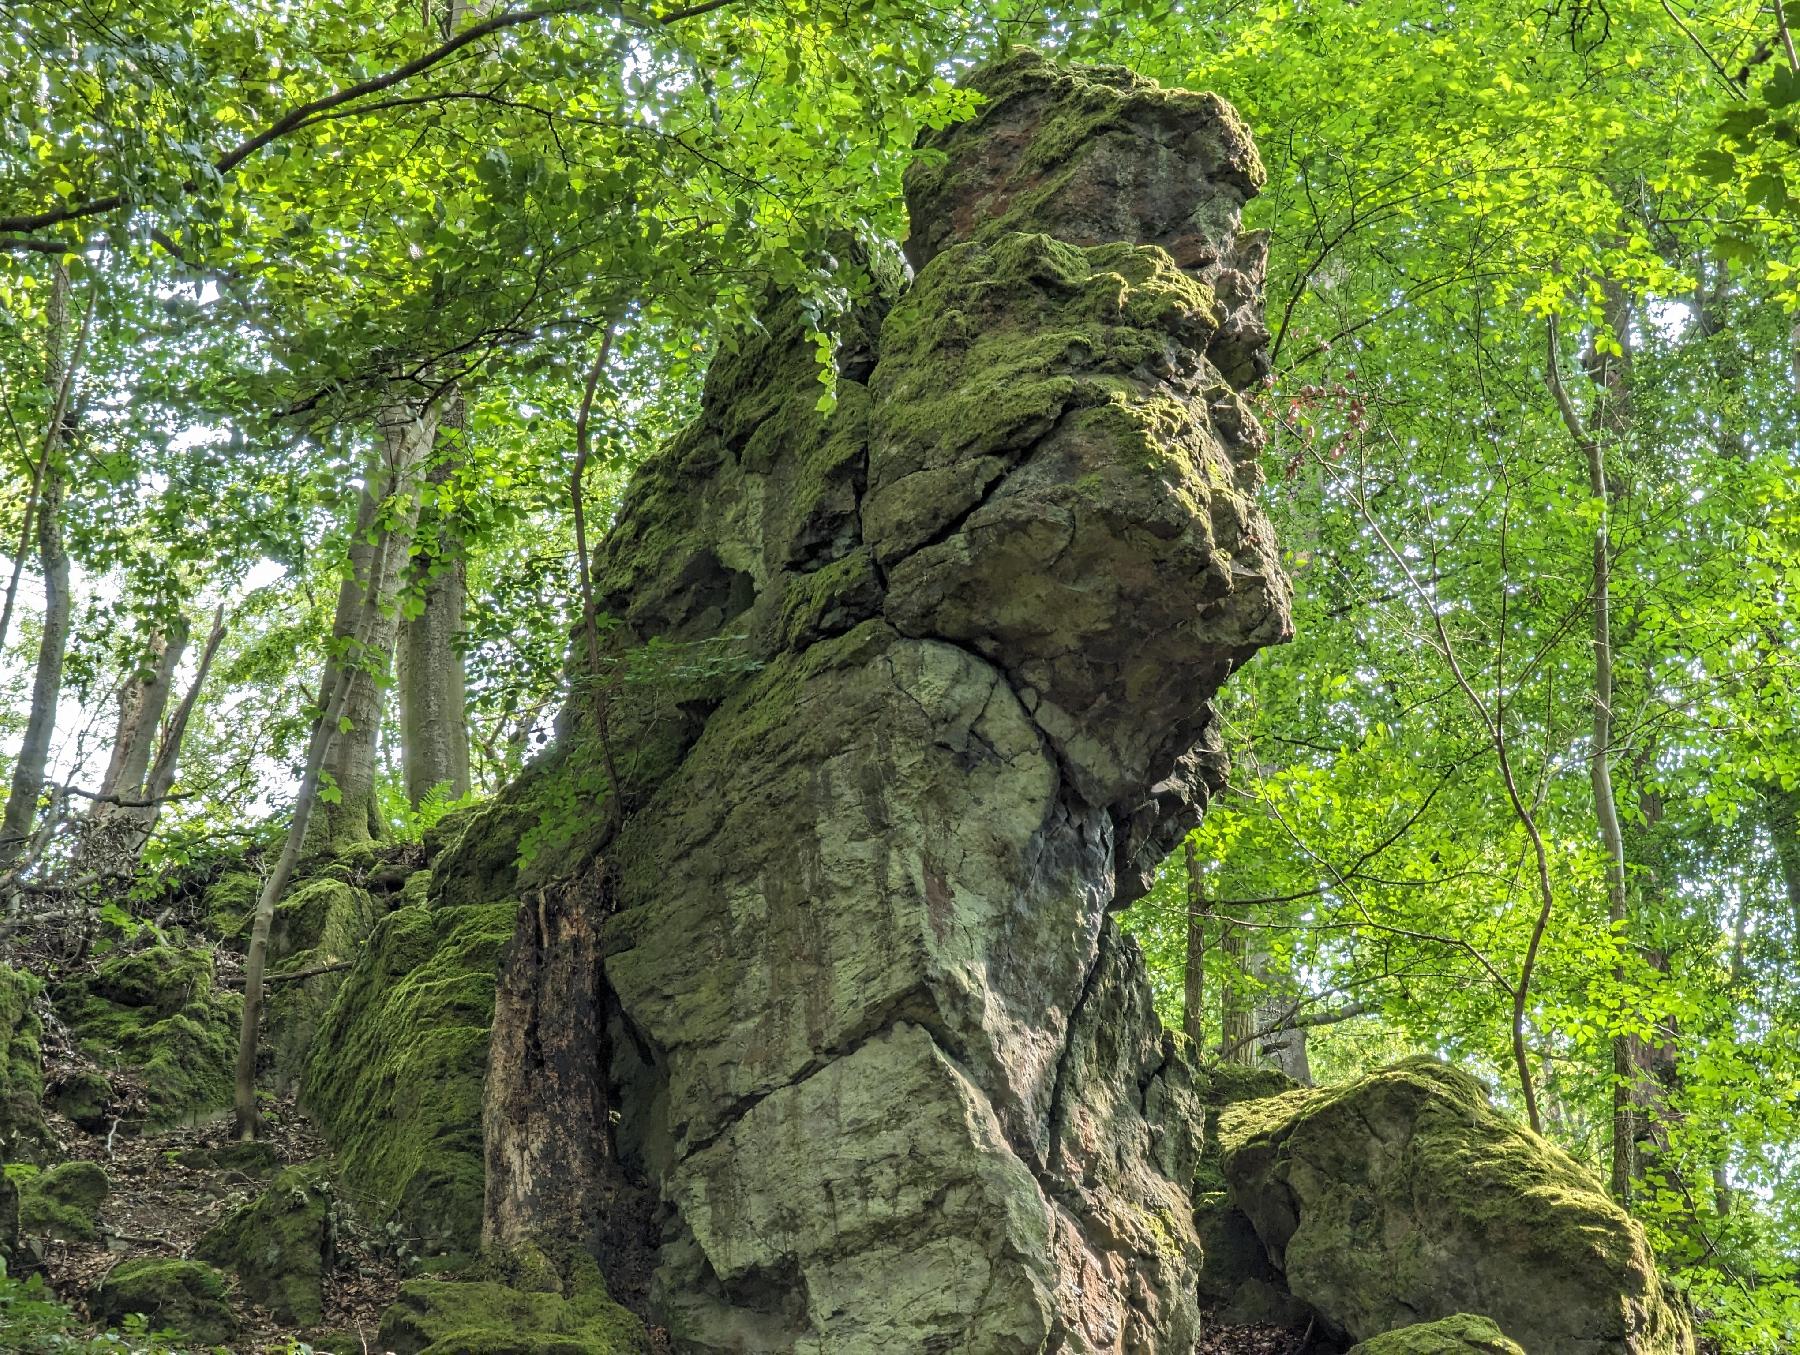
(869, 1032)
(1404, 1198)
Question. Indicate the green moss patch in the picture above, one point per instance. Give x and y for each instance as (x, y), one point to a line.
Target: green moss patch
(184, 1296)
(484, 1317)
(1461, 1334)
(396, 1075)
(159, 1010)
(23, 1136)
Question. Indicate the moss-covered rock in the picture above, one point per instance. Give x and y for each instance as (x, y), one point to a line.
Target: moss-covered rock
(160, 1011)
(254, 1160)
(64, 1202)
(280, 1245)
(484, 1317)
(9, 1220)
(416, 890)
(23, 1136)
(229, 901)
(83, 1097)
(185, 1296)
(1461, 1334)
(318, 924)
(396, 1075)
(1404, 1196)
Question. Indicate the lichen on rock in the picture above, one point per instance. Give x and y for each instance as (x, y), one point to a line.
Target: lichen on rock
(1405, 1197)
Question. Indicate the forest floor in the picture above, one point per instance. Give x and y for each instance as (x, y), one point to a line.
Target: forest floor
(161, 1206)
(1261, 1340)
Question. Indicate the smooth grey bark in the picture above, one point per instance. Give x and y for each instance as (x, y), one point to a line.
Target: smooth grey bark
(159, 782)
(1193, 987)
(53, 560)
(433, 692)
(121, 795)
(366, 625)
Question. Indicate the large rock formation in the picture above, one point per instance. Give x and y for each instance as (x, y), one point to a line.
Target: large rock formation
(903, 699)
(1405, 1198)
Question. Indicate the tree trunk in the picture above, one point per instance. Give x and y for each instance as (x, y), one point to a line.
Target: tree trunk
(434, 727)
(1193, 993)
(110, 841)
(1237, 1013)
(46, 685)
(142, 697)
(545, 1103)
(1609, 377)
(387, 510)
(161, 778)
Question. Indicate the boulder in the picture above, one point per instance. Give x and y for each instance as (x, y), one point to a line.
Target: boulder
(160, 1011)
(1405, 1197)
(280, 1245)
(918, 692)
(183, 1296)
(1458, 1335)
(64, 1202)
(316, 925)
(83, 1097)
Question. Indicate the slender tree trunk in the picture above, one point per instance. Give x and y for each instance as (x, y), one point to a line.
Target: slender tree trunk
(341, 678)
(387, 511)
(142, 697)
(46, 686)
(434, 725)
(1237, 1014)
(1606, 811)
(160, 780)
(1193, 993)
(122, 789)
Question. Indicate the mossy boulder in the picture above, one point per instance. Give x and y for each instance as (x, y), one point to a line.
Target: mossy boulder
(1462, 1334)
(396, 1074)
(184, 1296)
(23, 1136)
(280, 1245)
(83, 1097)
(159, 1010)
(1404, 1196)
(228, 902)
(253, 1160)
(484, 1317)
(64, 1202)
